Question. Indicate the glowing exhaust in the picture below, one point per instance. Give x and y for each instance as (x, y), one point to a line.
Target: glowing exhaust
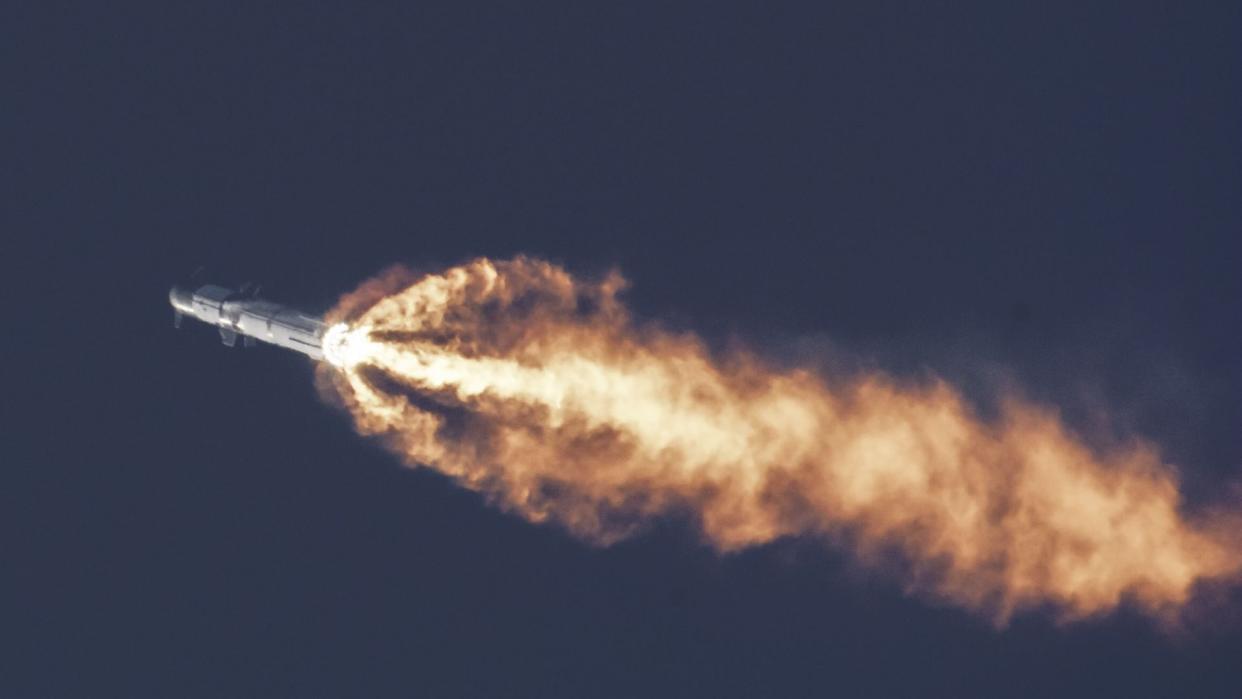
(537, 388)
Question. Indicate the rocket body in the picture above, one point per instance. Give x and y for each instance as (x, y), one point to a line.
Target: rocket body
(239, 313)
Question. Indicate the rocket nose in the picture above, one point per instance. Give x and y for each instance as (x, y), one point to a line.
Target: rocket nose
(182, 299)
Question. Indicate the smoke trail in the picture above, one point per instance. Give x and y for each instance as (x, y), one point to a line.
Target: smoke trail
(538, 389)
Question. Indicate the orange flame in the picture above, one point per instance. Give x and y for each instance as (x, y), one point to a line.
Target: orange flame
(537, 388)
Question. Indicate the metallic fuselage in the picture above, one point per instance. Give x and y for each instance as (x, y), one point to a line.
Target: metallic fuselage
(237, 313)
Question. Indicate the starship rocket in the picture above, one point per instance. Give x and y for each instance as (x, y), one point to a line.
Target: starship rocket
(241, 313)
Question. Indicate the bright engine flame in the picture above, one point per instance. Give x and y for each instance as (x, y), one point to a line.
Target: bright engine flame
(343, 347)
(537, 388)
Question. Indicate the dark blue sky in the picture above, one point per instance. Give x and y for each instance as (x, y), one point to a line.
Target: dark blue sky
(1051, 193)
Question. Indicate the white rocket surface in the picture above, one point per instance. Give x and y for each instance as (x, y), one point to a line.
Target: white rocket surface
(239, 312)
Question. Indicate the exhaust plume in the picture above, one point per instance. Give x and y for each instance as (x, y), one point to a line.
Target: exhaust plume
(538, 389)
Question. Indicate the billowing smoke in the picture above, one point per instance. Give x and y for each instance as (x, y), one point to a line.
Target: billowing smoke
(539, 389)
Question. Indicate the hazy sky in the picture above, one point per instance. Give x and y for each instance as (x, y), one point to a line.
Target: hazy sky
(1047, 198)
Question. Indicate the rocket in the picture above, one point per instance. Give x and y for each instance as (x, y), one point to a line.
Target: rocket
(241, 313)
